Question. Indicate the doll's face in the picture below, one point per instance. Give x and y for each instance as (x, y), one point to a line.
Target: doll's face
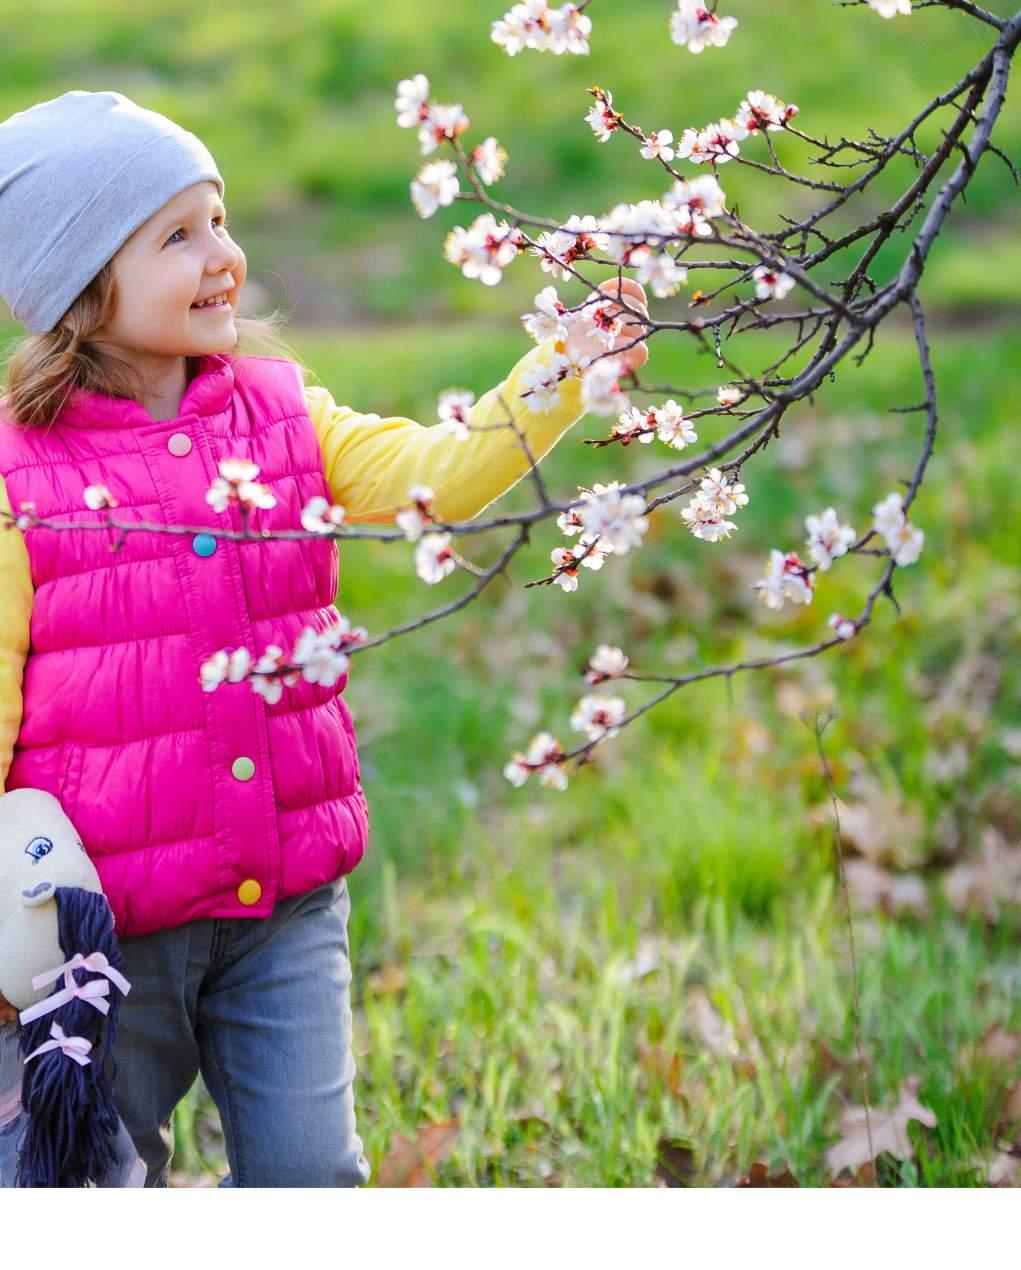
(180, 255)
(39, 851)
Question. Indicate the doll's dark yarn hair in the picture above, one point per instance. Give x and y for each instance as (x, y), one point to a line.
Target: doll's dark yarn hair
(72, 1119)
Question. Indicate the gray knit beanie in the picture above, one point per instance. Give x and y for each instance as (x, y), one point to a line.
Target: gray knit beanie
(78, 175)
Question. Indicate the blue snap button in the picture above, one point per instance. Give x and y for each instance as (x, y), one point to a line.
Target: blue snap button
(203, 544)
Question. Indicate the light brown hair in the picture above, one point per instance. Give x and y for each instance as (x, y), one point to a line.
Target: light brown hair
(43, 369)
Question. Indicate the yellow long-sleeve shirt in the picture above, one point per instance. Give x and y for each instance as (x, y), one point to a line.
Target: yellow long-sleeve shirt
(370, 464)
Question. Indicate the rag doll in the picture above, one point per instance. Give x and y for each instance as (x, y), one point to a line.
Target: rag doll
(60, 965)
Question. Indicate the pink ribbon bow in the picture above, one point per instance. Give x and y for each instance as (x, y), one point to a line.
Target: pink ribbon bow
(76, 1047)
(92, 992)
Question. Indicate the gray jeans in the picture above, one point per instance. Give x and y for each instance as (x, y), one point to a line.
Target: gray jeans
(261, 1007)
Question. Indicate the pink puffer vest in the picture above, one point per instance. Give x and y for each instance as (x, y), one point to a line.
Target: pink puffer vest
(190, 803)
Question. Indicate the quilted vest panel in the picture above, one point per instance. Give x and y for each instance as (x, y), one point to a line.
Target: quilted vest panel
(116, 724)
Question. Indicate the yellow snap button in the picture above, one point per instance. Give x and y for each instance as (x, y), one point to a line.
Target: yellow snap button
(249, 891)
(243, 769)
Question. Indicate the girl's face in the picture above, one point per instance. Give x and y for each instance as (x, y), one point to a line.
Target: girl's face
(181, 255)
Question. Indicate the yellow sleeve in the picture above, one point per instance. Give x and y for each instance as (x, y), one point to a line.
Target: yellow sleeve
(372, 462)
(16, 595)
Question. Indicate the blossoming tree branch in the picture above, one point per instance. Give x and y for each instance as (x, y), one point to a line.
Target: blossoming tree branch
(708, 437)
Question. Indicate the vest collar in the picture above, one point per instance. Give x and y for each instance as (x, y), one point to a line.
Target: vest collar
(208, 393)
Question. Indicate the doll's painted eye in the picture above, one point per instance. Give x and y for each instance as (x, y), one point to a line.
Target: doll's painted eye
(39, 847)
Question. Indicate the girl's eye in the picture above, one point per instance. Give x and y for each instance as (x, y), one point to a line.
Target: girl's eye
(223, 225)
(39, 847)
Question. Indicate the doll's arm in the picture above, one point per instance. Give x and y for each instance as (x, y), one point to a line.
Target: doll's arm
(16, 596)
(372, 462)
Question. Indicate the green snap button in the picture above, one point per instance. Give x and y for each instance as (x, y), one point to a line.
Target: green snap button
(243, 769)
(203, 544)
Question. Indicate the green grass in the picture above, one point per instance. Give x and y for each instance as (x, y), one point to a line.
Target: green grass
(702, 832)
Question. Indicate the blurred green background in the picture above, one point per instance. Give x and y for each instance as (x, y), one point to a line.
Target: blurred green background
(533, 968)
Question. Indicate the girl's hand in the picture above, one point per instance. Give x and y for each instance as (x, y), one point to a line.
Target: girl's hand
(8, 1012)
(633, 294)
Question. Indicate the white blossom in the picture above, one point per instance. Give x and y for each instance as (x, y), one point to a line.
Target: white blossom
(694, 25)
(718, 497)
(671, 425)
(570, 522)
(414, 519)
(97, 497)
(601, 117)
(541, 384)
(728, 395)
(600, 391)
(435, 186)
(701, 194)
(705, 520)
(662, 273)
(410, 103)
(905, 544)
(434, 559)
(483, 250)
(598, 715)
(659, 145)
(634, 230)
(720, 139)
(889, 514)
(634, 424)
(843, 626)
(903, 539)
(441, 123)
(544, 755)
(761, 110)
(618, 519)
(607, 662)
(548, 318)
(890, 8)
(827, 538)
(603, 322)
(27, 514)
(320, 516)
(224, 667)
(263, 679)
(771, 284)
(723, 491)
(589, 551)
(236, 483)
(786, 579)
(568, 30)
(560, 248)
(321, 655)
(453, 407)
(489, 159)
(534, 24)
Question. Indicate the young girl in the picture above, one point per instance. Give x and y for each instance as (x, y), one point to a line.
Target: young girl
(222, 824)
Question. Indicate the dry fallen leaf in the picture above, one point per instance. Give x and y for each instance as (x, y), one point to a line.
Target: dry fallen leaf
(1000, 1045)
(1005, 1170)
(889, 1131)
(392, 977)
(407, 1161)
(886, 829)
(988, 882)
(872, 887)
(675, 1161)
(715, 1035)
(759, 1175)
(659, 1062)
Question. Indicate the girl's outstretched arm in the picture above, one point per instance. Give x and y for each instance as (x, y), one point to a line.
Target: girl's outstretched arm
(371, 462)
(16, 596)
